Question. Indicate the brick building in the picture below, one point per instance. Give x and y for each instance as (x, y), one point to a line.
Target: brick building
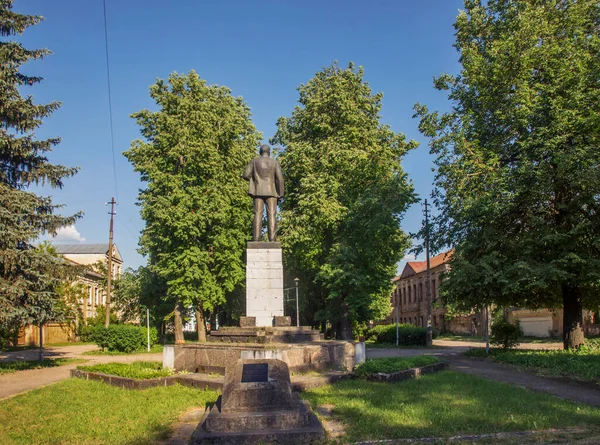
(409, 298)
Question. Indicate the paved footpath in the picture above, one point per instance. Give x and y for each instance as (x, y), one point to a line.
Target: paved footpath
(22, 381)
(451, 352)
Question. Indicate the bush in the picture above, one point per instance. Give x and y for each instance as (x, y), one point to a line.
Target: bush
(393, 364)
(136, 370)
(590, 346)
(123, 337)
(408, 335)
(506, 334)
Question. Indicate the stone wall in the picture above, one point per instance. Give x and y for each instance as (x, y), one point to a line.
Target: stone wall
(335, 355)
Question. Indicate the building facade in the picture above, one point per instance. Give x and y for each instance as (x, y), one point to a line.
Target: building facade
(409, 299)
(89, 255)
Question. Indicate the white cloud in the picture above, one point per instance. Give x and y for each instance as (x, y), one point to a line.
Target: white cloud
(68, 234)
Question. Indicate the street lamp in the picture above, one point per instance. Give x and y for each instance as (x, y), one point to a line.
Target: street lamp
(296, 282)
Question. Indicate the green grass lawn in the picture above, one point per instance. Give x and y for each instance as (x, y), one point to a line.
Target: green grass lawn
(135, 370)
(478, 339)
(583, 365)
(82, 412)
(442, 405)
(22, 365)
(153, 350)
(393, 364)
(46, 345)
(453, 337)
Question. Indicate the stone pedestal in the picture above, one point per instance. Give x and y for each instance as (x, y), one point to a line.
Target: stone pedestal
(258, 407)
(264, 282)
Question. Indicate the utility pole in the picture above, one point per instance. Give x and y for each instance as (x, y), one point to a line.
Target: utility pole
(110, 249)
(427, 278)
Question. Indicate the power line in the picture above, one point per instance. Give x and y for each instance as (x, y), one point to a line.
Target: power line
(126, 228)
(112, 134)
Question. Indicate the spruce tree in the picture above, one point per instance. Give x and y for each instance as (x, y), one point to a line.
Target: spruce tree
(28, 275)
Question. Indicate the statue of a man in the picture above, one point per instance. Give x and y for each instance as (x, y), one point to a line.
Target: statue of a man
(266, 187)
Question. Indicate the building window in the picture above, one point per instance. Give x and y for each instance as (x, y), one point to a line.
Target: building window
(433, 289)
(415, 293)
(421, 292)
(404, 295)
(422, 320)
(89, 295)
(409, 294)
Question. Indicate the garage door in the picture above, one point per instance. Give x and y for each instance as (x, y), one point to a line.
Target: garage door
(536, 326)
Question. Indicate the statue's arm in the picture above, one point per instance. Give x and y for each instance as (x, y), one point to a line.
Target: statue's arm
(247, 175)
(279, 180)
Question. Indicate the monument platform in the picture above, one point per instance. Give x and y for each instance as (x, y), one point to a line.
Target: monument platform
(215, 357)
(258, 406)
(265, 334)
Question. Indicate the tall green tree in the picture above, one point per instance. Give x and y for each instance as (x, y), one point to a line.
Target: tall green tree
(518, 180)
(346, 193)
(27, 274)
(195, 204)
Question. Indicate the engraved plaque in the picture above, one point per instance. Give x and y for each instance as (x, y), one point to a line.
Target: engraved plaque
(255, 372)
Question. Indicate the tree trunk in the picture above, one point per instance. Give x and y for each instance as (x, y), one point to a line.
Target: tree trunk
(345, 331)
(572, 317)
(178, 325)
(200, 325)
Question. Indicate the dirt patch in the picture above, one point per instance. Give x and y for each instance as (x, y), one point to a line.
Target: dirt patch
(335, 429)
(185, 427)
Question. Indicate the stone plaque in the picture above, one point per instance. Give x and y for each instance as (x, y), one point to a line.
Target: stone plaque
(255, 372)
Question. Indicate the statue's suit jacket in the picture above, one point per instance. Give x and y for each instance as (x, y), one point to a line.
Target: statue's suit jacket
(265, 176)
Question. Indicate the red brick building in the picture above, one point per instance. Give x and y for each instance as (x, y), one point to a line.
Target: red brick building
(409, 298)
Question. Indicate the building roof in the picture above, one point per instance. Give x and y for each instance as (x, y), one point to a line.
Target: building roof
(87, 249)
(416, 267)
(81, 248)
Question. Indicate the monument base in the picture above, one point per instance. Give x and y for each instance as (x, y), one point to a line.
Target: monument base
(264, 334)
(264, 282)
(258, 406)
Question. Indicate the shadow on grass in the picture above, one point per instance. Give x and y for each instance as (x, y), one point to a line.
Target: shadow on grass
(443, 405)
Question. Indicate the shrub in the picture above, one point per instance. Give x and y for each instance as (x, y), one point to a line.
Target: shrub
(590, 346)
(408, 335)
(506, 334)
(393, 364)
(123, 337)
(136, 370)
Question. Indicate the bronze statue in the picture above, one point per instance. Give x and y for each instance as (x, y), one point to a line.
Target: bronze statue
(266, 186)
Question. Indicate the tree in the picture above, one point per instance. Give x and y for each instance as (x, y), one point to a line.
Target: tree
(518, 176)
(195, 205)
(27, 274)
(127, 294)
(345, 196)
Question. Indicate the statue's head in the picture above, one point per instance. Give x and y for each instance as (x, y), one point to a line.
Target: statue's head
(265, 149)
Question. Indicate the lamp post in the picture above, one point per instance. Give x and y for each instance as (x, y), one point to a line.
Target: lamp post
(296, 282)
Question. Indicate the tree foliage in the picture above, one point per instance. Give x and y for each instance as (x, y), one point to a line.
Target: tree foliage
(28, 275)
(127, 296)
(518, 179)
(195, 205)
(346, 193)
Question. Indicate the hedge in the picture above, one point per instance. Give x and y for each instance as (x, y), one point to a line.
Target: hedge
(408, 334)
(123, 337)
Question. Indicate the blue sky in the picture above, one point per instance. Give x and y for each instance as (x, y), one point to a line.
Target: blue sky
(261, 50)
